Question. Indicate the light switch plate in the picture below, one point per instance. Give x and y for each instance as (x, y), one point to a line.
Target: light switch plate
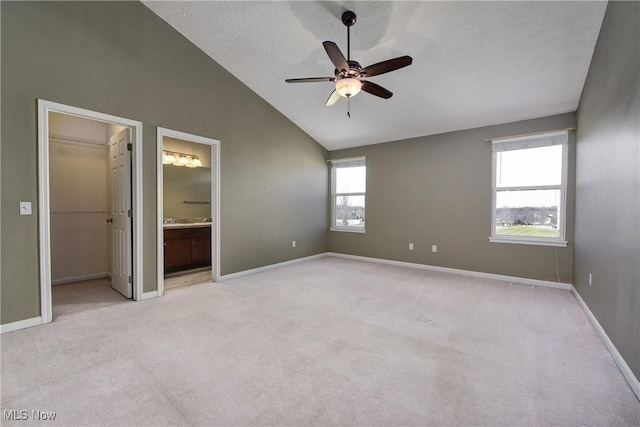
(25, 208)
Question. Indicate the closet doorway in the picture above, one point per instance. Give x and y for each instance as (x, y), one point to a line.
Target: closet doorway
(188, 209)
(89, 198)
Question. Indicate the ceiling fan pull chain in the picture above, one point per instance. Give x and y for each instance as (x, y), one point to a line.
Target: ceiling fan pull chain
(349, 107)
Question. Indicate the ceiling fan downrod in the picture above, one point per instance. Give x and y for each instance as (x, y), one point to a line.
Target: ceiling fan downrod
(348, 19)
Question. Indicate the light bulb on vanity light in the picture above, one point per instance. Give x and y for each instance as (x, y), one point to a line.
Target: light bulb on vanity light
(182, 161)
(196, 162)
(191, 164)
(168, 158)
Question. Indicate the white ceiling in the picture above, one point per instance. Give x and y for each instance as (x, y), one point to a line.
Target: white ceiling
(474, 63)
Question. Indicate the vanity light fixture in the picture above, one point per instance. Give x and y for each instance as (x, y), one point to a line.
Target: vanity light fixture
(180, 159)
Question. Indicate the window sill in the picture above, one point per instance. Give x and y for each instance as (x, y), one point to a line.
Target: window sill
(530, 241)
(349, 229)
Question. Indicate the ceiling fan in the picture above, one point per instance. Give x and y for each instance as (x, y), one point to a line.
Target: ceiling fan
(349, 75)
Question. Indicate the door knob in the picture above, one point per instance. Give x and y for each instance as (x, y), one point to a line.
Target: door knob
(110, 220)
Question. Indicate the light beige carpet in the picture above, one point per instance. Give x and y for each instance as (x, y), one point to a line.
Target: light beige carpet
(82, 296)
(324, 342)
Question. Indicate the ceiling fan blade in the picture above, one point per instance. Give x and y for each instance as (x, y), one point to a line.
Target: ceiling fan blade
(386, 66)
(333, 98)
(335, 55)
(311, 80)
(375, 89)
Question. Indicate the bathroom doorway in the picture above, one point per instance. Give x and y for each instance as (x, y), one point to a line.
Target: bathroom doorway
(188, 209)
(89, 196)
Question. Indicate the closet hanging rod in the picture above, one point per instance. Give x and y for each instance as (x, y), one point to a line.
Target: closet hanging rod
(77, 212)
(77, 140)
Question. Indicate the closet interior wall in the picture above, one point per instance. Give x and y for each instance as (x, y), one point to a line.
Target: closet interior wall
(79, 194)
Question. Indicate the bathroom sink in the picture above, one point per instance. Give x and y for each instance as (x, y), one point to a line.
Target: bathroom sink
(186, 222)
(189, 225)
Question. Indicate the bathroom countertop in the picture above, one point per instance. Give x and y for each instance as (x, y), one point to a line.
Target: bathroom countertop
(187, 225)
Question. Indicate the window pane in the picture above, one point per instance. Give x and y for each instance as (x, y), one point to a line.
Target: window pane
(531, 166)
(350, 211)
(351, 180)
(532, 213)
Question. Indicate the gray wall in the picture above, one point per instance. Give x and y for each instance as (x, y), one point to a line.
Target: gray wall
(120, 58)
(607, 230)
(436, 190)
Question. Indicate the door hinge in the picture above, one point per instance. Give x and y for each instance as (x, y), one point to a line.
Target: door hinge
(130, 213)
(129, 146)
(130, 279)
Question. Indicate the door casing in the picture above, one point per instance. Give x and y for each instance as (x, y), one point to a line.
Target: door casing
(44, 228)
(215, 200)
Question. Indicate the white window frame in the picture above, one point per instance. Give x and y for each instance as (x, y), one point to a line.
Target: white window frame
(521, 143)
(335, 164)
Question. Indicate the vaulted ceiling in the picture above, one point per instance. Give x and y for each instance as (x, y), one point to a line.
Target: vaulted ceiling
(474, 63)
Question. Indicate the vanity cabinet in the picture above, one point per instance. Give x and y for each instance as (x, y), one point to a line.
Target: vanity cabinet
(187, 248)
(200, 245)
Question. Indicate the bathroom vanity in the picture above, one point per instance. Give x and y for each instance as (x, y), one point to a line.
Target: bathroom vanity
(186, 246)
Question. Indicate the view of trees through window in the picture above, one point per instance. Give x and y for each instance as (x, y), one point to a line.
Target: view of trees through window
(527, 221)
(528, 213)
(350, 211)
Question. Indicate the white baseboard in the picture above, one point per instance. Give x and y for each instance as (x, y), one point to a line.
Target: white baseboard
(20, 324)
(514, 279)
(270, 267)
(503, 278)
(148, 295)
(79, 278)
(617, 357)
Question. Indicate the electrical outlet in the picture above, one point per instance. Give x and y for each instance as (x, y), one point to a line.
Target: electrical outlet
(293, 244)
(410, 246)
(434, 248)
(590, 279)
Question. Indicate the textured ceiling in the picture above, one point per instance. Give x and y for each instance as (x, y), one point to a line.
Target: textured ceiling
(474, 63)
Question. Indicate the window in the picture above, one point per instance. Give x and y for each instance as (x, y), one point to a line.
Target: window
(529, 189)
(348, 193)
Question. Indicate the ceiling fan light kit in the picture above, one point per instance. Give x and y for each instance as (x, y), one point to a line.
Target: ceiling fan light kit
(349, 74)
(348, 87)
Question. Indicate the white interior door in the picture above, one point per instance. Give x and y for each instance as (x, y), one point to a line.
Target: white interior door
(120, 167)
